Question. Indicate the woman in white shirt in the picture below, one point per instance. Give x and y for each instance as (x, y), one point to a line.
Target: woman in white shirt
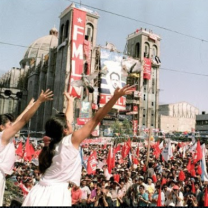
(59, 160)
(7, 132)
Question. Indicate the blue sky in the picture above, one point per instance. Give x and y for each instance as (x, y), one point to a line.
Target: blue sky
(24, 21)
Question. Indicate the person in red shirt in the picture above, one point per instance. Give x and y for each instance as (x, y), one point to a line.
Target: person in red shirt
(76, 195)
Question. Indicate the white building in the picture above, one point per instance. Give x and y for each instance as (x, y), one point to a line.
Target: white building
(177, 117)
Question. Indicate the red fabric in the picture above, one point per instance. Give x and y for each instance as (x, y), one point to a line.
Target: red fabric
(137, 151)
(32, 151)
(110, 159)
(199, 170)
(104, 146)
(181, 176)
(24, 189)
(19, 150)
(126, 149)
(117, 148)
(193, 190)
(159, 203)
(36, 154)
(164, 181)
(193, 173)
(157, 150)
(116, 177)
(144, 168)
(199, 151)
(134, 160)
(28, 153)
(189, 166)
(91, 163)
(154, 178)
(206, 198)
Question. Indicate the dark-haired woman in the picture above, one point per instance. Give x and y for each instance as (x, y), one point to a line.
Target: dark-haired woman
(59, 160)
(8, 130)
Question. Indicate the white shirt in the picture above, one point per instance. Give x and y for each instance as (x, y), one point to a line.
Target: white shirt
(85, 191)
(7, 156)
(66, 164)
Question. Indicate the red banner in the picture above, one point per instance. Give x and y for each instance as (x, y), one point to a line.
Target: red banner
(119, 104)
(135, 124)
(77, 42)
(147, 68)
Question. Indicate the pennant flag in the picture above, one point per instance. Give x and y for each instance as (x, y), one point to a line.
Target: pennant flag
(204, 175)
(193, 172)
(154, 178)
(137, 151)
(32, 151)
(92, 163)
(36, 154)
(189, 166)
(110, 160)
(206, 198)
(135, 160)
(167, 151)
(82, 159)
(117, 148)
(159, 203)
(19, 150)
(181, 176)
(156, 151)
(116, 177)
(28, 153)
(193, 190)
(199, 170)
(199, 151)
(125, 150)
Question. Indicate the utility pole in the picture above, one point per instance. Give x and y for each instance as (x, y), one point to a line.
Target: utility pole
(148, 147)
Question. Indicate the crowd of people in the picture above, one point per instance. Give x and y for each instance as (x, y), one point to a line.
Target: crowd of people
(68, 175)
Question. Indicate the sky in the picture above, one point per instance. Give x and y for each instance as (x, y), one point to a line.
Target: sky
(182, 25)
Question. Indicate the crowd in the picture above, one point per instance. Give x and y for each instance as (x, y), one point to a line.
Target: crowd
(72, 172)
(131, 182)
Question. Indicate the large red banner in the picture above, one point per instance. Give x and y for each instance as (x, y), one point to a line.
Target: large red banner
(147, 68)
(77, 42)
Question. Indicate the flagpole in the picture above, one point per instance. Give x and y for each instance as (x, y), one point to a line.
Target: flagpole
(148, 147)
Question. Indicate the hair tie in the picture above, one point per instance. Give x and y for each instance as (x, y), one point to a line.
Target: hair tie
(46, 140)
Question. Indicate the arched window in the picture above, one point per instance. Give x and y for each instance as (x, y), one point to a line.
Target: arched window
(137, 50)
(89, 32)
(154, 51)
(61, 34)
(146, 50)
(66, 29)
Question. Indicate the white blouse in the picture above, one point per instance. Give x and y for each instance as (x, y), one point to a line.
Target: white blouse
(7, 156)
(66, 164)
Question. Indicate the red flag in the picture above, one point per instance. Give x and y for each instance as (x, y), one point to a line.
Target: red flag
(189, 166)
(116, 177)
(117, 148)
(181, 176)
(157, 150)
(193, 190)
(199, 170)
(137, 151)
(91, 163)
(164, 181)
(25, 191)
(32, 151)
(19, 150)
(144, 168)
(159, 203)
(199, 151)
(36, 154)
(134, 160)
(104, 146)
(28, 155)
(110, 159)
(206, 198)
(154, 178)
(125, 150)
(193, 173)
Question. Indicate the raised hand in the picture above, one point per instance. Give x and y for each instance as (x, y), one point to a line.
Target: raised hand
(68, 97)
(31, 103)
(45, 96)
(126, 90)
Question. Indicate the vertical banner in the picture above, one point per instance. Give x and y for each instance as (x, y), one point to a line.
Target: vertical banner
(77, 42)
(112, 78)
(86, 110)
(147, 68)
(135, 124)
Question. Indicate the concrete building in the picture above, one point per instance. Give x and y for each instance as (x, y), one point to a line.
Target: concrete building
(177, 117)
(202, 123)
(145, 46)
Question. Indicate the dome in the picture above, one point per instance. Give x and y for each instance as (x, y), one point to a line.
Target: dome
(41, 47)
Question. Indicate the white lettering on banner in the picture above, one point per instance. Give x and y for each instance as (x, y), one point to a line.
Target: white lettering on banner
(93, 163)
(76, 32)
(78, 53)
(73, 68)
